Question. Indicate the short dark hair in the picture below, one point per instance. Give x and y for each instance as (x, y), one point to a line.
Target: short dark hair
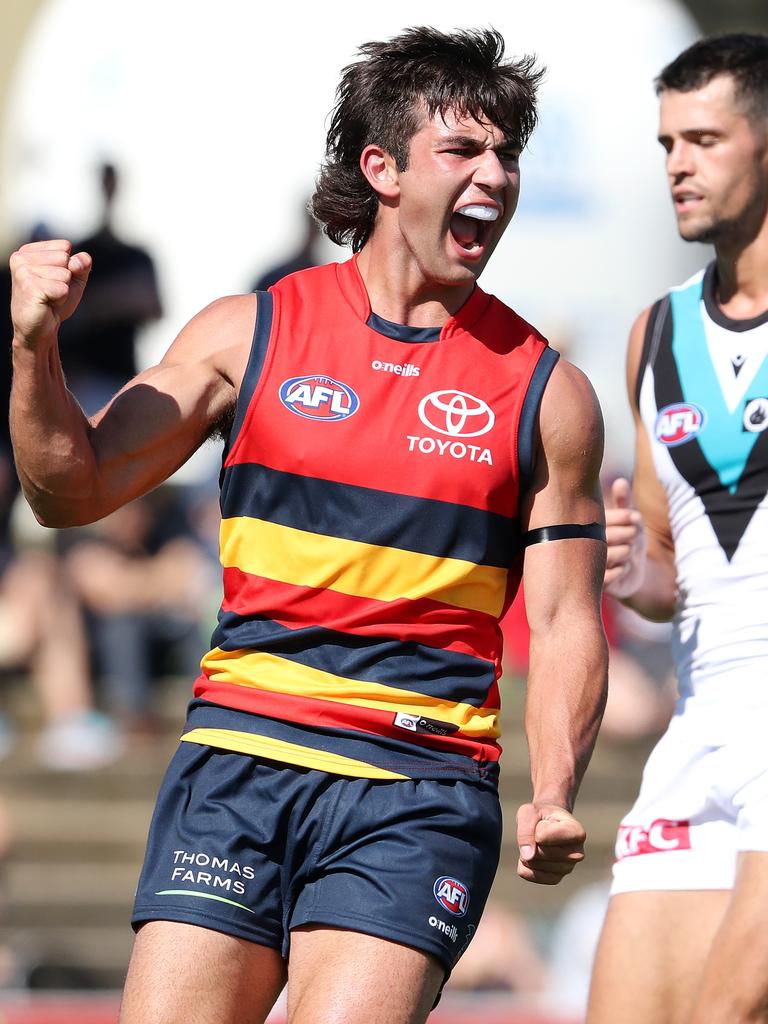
(377, 102)
(742, 55)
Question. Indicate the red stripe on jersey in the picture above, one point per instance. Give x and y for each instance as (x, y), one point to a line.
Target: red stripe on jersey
(422, 621)
(314, 712)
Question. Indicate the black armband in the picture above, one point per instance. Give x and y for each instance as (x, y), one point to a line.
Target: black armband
(567, 531)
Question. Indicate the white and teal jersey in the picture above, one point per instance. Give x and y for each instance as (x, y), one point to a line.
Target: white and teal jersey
(703, 397)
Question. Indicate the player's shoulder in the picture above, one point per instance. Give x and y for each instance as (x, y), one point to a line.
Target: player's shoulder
(225, 325)
(570, 417)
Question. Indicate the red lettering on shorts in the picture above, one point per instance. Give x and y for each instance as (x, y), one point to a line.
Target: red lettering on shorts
(663, 835)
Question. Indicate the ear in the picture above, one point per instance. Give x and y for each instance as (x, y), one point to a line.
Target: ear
(380, 172)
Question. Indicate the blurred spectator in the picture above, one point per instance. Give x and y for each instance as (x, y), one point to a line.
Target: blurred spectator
(98, 344)
(42, 633)
(143, 578)
(502, 956)
(306, 256)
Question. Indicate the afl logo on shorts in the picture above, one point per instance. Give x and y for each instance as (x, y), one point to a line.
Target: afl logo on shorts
(319, 398)
(679, 423)
(452, 895)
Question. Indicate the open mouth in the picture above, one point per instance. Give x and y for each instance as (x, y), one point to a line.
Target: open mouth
(471, 226)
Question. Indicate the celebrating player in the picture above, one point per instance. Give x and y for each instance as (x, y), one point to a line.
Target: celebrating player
(399, 444)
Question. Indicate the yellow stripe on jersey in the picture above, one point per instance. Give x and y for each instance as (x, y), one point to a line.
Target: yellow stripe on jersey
(361, 570)
(290, 753)
(281, 675)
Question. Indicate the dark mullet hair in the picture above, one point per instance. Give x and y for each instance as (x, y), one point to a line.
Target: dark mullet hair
(379, 101)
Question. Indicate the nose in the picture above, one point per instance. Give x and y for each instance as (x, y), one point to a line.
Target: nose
(680, 160)
(490, 172)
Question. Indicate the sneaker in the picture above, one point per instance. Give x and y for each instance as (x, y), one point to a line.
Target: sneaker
(80, 741)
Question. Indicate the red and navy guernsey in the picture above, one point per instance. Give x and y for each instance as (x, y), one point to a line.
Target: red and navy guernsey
(369, 538)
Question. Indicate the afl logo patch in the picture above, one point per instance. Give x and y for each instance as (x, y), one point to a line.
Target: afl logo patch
(452, 895)
(676, 424)
(755, 418)
(317, 397)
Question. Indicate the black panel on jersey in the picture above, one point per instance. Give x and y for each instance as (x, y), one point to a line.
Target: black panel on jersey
(729, 513)
(657, 318)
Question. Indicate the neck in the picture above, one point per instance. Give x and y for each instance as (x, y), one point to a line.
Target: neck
(742, 277)
(399, 291)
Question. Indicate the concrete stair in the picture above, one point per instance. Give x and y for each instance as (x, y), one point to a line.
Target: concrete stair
(77, 841)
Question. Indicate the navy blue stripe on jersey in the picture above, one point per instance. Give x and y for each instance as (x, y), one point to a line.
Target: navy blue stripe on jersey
(404, 665)
(401, 332)
(729, 510)
(401, 756)
(261, 332)
(529, 414)
(370, 516)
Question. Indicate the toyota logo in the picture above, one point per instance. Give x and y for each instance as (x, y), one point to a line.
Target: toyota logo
(456, 414)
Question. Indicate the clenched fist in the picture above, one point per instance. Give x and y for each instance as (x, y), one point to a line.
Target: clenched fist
(48, 283)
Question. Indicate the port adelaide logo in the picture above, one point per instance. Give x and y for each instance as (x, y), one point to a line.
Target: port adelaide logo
(317, 397)
(678, 423)
(452, 895)
(755, 418)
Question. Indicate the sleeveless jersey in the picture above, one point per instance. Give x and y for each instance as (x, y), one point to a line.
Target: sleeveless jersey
(369, 536)
(703, 397)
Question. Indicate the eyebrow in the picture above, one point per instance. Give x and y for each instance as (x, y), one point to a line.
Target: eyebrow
(470, 141)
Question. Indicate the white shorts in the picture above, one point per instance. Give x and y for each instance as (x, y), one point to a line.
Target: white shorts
(699, 806)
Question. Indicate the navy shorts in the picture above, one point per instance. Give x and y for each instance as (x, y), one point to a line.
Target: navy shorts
(255, 848)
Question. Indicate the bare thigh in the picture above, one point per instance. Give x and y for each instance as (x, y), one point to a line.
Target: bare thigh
(651, 956)
(184, 974)
(734, 988)
(344, 977)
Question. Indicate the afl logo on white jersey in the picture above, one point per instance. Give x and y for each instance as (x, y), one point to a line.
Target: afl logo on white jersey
(678, 423)
(452, 895)
(456, 414)
(317, 397)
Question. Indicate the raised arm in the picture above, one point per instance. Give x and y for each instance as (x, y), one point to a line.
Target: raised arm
(641, 554)
(76, 469)
(567, 677)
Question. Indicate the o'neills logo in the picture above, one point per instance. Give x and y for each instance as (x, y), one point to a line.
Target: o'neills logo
(399, 369)
(660, 837)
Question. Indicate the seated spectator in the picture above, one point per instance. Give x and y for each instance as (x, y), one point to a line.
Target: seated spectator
(42, 634)
(142, 577)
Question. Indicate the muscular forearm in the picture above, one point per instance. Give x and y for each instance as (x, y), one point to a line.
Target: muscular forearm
(567, 688)
(50, 435)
